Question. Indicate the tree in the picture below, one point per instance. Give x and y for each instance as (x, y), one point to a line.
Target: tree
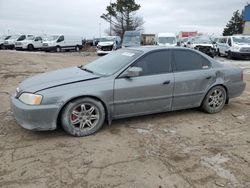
(122, 17)
(235, 25)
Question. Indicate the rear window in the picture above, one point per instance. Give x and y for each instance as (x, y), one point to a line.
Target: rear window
(187, 60)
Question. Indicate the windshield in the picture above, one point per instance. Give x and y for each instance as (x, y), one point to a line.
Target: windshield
(201, 40)
(52, 37)
(106, 39)
(6, 38)
(112, 62)
(242, 39)
(167, 40)
(14, 37)
(131, 40)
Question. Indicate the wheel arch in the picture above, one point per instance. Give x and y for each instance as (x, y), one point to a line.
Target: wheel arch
(107, 111)
(218, 84)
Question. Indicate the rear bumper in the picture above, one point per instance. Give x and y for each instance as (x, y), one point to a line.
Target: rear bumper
(34, 117)
(236, 89)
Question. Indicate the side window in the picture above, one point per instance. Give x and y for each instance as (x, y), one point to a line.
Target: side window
(187, 60)
(155, 63)
(38, 39)
(60, 39)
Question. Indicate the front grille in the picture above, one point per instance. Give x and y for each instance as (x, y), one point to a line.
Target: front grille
(245, 49)
(6, 42)
(107, 48)
(45, 44)
(204, 49)
(18, 43)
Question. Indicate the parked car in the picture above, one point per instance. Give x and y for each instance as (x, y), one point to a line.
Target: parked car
(131, 39)
(62, 42)
(10, 42)
(128, 82)
(166, 39)
(108, 44)
(203, 44)
(237, 46)
(29, 43)
(2, 39)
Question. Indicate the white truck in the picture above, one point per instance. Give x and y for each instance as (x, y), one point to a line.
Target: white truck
(108, 44)
(29, 43)
(236, 46)
(166, 39)
(59, 43)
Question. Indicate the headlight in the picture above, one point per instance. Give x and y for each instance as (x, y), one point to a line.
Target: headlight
(235, 48)
(32, 99)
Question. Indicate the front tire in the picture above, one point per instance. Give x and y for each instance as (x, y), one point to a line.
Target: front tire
(83, 117)
(58, 49)
(214, 100)
(30, 47)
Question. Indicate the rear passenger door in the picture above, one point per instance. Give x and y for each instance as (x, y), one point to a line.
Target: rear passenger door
(193, 76)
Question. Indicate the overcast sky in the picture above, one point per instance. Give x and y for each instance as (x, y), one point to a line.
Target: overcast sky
(82, 17)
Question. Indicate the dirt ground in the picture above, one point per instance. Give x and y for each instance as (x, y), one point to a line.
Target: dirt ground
(179, 149)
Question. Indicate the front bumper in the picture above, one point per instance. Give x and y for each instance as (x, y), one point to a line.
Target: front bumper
(9, 46)
(34, 117)
(103, 52)
(240, 54)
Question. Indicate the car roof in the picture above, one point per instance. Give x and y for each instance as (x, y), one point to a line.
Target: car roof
(146, 49)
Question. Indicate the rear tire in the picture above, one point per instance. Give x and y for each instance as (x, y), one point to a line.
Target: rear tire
(229, 55)
(77, 48)
(214, 100)
(83, 117)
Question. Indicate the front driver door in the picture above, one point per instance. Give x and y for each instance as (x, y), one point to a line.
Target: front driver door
(150, 92)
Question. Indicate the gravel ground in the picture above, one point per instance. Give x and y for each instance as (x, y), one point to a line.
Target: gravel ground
(185, 148)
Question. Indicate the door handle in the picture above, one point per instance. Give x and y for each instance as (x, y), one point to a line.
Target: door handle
(166, 82)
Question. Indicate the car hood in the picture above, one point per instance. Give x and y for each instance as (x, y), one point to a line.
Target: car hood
(109, 43)
(241, 45)
(54, 79)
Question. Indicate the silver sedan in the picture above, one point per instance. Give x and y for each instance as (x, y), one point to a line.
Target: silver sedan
(125, 83)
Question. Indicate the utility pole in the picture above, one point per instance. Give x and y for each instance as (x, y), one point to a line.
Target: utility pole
(110, 22)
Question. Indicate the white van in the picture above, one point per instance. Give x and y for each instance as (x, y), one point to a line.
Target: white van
(62, 42)
(166, 39)
(10, 42)
(234, 46)
(30, 43)
(2, 39)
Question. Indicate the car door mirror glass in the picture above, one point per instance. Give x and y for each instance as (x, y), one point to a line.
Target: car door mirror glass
(132, 72)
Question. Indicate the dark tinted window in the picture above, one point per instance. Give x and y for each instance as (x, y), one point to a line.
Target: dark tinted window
(22, 37)
(60, 39)
(155, 63)
(38, 39)
(229, 42)
(187, 60)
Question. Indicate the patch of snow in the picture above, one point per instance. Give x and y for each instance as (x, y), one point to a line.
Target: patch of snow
(215, 163)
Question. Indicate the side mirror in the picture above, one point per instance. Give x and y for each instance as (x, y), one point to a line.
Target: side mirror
(132, 72)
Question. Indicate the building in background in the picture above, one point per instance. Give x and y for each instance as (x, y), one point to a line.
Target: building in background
(246, 19)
